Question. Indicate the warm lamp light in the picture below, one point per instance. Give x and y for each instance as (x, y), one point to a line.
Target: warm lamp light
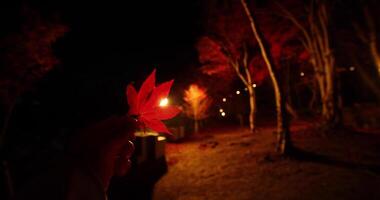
(237, 92)
(223, 114)
(221, 110)
(164, 102)
(161, 138)
(224, 99)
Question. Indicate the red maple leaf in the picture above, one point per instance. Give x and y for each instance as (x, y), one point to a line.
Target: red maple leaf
(145, 105)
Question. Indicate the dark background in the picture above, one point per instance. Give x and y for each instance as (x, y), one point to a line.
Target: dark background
(109, 45)
(112, 43)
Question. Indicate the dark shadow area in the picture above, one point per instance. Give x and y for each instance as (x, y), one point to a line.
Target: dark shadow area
(139, 183)
(307, 156)
(147, 168)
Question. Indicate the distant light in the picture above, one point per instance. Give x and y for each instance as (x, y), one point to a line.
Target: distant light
(164, 102)
(221, 110)
(302, 74)
(145, 133)
(245, 89)
(161, 138)
(352, 68)
(223, 114)
(224, 99)
(237, 92)
(254, 85)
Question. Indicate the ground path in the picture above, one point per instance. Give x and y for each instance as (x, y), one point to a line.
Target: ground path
(234, 164)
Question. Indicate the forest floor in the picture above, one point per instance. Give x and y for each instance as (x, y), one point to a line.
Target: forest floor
(233, 164)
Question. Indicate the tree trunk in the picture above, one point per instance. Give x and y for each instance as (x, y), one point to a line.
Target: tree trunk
(291, 110)
(371, 84)
(375, 55)
(316, 42)
(252, 106)
(284, 143)
(329, 101)
(314, 91)
(328, 110)
(196, 126)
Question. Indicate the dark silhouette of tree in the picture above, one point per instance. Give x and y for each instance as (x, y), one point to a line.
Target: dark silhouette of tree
(26, 56)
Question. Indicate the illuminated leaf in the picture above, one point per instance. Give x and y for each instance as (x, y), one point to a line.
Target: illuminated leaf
(160, 92)
(163, 113)
(145, 104)
(155, 125)
(132, 100)
(146, 89)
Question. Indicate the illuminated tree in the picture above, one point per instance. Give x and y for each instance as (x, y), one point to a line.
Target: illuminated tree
(284, 143)
(225, 50)
(217, 59)
(197, 103)
(316, 41)
(229, 47)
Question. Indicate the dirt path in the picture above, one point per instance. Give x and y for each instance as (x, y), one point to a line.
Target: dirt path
(235, 165)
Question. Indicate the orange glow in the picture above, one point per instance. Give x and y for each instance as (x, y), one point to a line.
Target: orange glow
(161, 138)
(197, 101)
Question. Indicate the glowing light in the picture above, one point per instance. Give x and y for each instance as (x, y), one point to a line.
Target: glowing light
(223, 114)
(161, 138)
(237, 92)
(254, 85)
(224, 99)
(164, 102)
(221, 110)
(352, 68)
(245, 89)
(302, 74)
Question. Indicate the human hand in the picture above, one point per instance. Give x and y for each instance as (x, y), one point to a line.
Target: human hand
(106, 146)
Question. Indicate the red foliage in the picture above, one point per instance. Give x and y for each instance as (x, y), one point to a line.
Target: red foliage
(145, 104)
(214, 61)
(229, 34)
